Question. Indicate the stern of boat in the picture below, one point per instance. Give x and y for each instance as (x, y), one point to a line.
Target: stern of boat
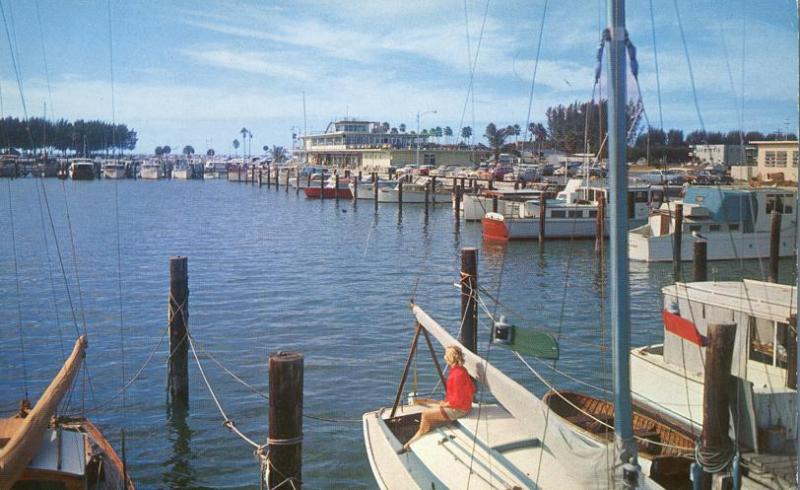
(494, 227)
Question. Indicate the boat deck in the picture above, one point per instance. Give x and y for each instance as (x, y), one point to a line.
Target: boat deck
(770, 470)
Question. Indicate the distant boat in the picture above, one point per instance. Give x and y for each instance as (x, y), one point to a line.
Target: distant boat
(114, 169)
(366, 188)
(81, 169)
(330, 190)
(9, 166)
(182, 171)
(414, 193)
(734, 221)
(151, 170)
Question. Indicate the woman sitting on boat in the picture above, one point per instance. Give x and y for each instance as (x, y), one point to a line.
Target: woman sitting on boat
(458, 397)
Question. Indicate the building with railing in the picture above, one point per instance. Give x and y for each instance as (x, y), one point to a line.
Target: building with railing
(775, 161)
(372, 145)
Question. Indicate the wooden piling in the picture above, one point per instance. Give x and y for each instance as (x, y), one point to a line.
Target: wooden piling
(433, 189)
(490, 184)
(677, 239)
(355, 187)
(774, 245)
(699, 260)
(178, 318)
(716, 393)
(600, 227)
(469, 299)
(336, 186)
(542, 218)
(277, 177)
(375, 187)
(269, 176)
(260, 177)
(427, 195)
(494, 204)
(286, 181)
(322, 186)
(400, 191)
(308, 180)
(285, 442)
(791, 354)
(462, 186)
(457, 205)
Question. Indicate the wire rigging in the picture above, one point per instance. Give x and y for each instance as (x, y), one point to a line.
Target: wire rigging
(535, 70)
(16, 278)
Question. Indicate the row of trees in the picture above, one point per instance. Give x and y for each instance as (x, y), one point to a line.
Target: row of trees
(81, 137)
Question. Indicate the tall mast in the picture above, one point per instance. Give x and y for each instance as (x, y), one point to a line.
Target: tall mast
(619, 281)
(797, 240)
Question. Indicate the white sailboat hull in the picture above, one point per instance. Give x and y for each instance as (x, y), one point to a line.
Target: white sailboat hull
(151, 173)
(182, 173)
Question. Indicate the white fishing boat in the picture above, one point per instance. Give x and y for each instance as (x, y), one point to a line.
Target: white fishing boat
(734, 221)
(151, 170)
(414, 193)
(114, 169)
(215, 169)
(81, 169)
(182, 172)
(366, 188)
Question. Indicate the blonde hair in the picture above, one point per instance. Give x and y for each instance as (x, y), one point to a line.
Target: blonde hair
(453, 355)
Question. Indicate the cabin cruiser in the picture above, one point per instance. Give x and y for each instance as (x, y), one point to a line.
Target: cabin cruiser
(151, 170)
(415, 193)
(735, 223)
(114, 169)
(81, 169)
(366, 188)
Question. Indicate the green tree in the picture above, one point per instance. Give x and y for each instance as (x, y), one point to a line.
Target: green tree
(448, 132)
(279, 154)
(402, 127)
(158, 151)
(210, 152)
(188, 150)
(235, 147)
(497, 138)
(466, 133)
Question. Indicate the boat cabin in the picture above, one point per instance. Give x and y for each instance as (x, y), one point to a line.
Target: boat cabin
(670, 375)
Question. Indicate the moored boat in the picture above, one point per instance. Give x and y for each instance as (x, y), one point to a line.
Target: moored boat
(81, 169)
(151, 170)
(38, 450)
(114, 169)
(330, 190)
(414, 193)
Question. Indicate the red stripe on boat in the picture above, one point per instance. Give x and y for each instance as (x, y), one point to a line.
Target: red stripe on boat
(683, 328)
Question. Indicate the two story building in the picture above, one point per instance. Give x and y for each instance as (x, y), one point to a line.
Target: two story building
(775, 161)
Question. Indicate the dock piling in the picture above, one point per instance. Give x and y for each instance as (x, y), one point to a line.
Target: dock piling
(178, 318)
(599, 239)
(433, 189)
(400, 192)
(542, 215)
(336, 186)
(269, 176)
(774, 245)
(469, 299)
(286, 181)
(700, 260)
(716, 398)
(457, 205)
(322, 187)
(285, 442)
(677, 239)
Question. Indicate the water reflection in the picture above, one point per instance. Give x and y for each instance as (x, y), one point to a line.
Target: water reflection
(179, 472)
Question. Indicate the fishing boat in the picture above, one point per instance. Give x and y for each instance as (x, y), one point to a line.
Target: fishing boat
(330, 190)
(182, 171)
(414, 193)
(215, 169)
(9, 166)
(734, 221)
(38, 450)
(309, 177)
(81, 169)
(114, 169)
(475, 206)
(151, 170)
(366, 188)
(45, 167)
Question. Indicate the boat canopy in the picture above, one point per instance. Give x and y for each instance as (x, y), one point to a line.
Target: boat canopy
(724, 205)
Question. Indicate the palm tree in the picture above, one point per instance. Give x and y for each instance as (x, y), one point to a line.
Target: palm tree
(210, 152)
(167, 150)
(265, 148)
(402, 127)
(250, 143)
(385, 126)
(244, 132)
(448, 132)
(466, 133)
(497, 138)
(158, 151)
(236, 147)
(188, 150)
(516, 129)
(278, 154)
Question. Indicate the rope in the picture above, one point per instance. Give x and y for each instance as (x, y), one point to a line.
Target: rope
(227, 422)
(533, 78)
(713, 460)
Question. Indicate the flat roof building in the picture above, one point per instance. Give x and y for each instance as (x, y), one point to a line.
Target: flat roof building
(775, 161)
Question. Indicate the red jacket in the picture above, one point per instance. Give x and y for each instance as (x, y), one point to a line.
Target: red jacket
(460, 389)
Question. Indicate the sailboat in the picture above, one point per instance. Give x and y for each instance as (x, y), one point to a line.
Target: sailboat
(518, 442)
(40, 451)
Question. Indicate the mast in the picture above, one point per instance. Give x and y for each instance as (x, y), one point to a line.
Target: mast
(797, 243)
(619, 281)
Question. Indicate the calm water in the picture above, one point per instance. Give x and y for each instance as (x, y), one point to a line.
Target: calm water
(270, 271)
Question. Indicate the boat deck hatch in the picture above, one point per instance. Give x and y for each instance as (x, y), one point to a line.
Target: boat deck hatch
(405, 426)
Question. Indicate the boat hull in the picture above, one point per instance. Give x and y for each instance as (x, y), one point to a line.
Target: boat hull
(82, 173)
(644, 247)
(412, 197)
(182, 174)
(327, 193)
(496, 227)
(114, 173)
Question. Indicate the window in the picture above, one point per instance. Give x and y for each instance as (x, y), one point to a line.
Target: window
(774, 202)
(640, 196)
(558, 214)
(794, 159)
(713, 228)
(733, 227)
(575, 214)
(593, 213)
(780, 159)
(769, 159)
(767, 342)
(429, 159)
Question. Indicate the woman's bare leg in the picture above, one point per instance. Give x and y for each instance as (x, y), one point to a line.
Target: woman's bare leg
(431, 417)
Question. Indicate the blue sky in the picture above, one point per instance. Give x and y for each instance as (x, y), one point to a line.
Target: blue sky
(196, 72)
